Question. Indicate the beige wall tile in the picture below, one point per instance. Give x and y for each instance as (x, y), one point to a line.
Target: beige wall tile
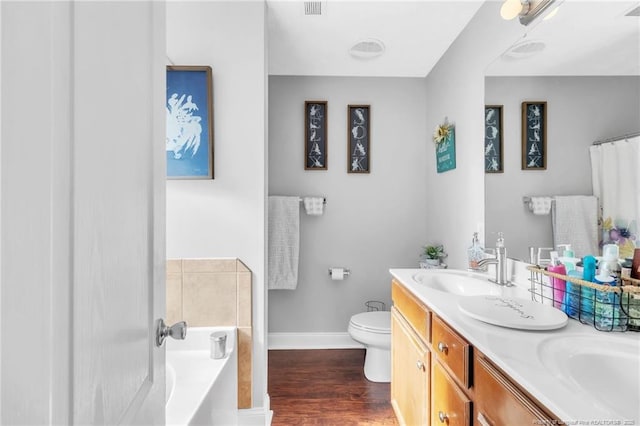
(241, 267)
(209, 299)
(174, 266)
(174, 298)
(209, 265)
(244, 299)
(245, 348)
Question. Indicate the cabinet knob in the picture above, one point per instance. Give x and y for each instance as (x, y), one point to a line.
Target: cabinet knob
(442, 347)
(420, 365)
(443, 417)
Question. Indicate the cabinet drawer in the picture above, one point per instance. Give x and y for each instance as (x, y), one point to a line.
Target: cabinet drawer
(450, 406)
(415, 312)
(499, 402)
(452, 350)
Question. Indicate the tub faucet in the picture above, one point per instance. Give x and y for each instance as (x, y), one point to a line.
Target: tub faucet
(500, 260)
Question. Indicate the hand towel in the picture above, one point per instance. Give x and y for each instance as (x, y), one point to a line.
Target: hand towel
(283, 242)
(575, 221)
(313, 205)
(540, 205)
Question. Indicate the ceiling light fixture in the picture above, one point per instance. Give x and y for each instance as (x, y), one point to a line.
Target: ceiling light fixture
(367, 49)
(526, 10)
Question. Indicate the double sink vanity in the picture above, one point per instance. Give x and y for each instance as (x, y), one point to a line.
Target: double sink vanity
(451, 368)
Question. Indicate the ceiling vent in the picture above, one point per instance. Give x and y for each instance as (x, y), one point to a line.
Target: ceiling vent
(523, 50)
(367, 49)
(313, 8)
(633, 12)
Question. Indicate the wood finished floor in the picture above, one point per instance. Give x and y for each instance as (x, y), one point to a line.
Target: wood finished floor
(325, 387)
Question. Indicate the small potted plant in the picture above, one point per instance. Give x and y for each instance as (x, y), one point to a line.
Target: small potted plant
(433, 254)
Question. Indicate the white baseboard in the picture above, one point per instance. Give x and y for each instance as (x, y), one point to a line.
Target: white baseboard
(312, 341)
(255, 417)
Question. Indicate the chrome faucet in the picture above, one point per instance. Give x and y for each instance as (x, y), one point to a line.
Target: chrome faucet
(500, 261)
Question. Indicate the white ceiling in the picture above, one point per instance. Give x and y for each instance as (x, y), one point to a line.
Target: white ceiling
(415, 35)
(586, 37)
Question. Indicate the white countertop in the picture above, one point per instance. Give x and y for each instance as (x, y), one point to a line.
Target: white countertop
(517, 353)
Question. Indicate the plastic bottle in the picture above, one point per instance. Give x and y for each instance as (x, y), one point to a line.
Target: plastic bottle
(475, 253)
(572, 296)
(587, 293)
(608, 315)
(558, 284)
(610, 264)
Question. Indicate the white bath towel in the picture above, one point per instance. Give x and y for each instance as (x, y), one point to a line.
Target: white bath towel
(313, 205)
(283, 242)
(575, 221)
(540, 205)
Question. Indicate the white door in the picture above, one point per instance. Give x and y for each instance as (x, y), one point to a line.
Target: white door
(83, 203)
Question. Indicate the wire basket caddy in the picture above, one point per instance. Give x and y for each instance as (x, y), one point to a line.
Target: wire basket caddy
(606, 308)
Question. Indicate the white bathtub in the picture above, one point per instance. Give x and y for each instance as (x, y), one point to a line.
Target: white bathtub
(201, 390)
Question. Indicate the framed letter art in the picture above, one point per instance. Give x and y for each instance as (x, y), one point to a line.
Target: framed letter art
(359, 137)
(315, 135)
(189, 138)
(534, 136)
(493, 157)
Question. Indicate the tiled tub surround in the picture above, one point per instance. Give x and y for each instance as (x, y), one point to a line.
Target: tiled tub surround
(214, 292)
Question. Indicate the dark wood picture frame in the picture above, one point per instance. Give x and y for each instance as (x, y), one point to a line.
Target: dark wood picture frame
(189, 134)
(534, 135)
(493, 140)
(315, 135)
(359, 137)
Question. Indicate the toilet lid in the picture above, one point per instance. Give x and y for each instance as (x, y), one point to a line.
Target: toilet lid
(376, 321)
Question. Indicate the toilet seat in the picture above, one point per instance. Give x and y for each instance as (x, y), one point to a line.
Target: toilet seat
(378, 322)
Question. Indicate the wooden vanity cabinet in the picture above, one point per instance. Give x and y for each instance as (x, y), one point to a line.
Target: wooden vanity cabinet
(411, 366)
(438, 378)
(449, 405)
(410, 358)
(500, 402)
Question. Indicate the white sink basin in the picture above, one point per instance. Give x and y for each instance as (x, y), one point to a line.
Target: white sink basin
(457, 282)
(603, 369)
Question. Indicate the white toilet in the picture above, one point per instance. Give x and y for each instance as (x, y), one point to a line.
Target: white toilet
(373, 330)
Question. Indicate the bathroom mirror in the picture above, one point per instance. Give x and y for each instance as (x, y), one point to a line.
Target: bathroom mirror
(591, 83)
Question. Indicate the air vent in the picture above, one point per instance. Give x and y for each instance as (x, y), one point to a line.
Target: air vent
(523, 50)
(633, 12)
(313, 8)
(367, 49)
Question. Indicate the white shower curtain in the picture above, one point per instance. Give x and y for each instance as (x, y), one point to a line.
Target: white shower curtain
(615, 169)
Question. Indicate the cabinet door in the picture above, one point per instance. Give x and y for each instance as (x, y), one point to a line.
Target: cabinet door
(450, 407)
(499, 402)
(409, 373)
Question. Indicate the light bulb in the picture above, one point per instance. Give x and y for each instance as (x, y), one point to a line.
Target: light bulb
(510, 9)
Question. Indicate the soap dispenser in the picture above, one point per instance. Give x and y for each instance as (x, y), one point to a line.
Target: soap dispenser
(475, 254)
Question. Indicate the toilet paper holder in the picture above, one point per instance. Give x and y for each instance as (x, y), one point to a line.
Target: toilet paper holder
(346, 272)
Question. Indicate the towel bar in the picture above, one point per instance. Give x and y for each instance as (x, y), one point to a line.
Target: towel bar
(324, 200)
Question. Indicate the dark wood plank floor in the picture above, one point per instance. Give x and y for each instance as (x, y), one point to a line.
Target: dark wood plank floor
(325, 387)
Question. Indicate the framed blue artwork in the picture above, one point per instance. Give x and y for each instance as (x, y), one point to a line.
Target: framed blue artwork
(189, 138)
(446, 151)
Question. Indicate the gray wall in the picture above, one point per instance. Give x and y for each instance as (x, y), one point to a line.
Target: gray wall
(372, 222)
(580, 110)
(455, 89)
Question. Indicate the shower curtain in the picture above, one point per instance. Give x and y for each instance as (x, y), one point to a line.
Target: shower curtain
(615, 172)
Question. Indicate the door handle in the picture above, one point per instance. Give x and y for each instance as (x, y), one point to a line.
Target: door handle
(177, 331)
